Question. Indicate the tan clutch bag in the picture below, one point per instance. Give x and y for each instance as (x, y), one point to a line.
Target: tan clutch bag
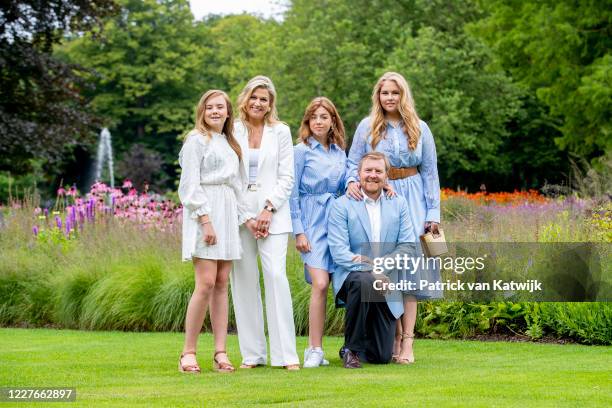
(434, 245)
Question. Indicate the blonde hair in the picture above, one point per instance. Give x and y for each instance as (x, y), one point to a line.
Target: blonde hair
(375, 156)
(336, 131)
(410, 119)
(258, 82)
(228, 127)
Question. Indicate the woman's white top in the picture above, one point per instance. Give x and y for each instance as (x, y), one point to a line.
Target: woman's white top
(253, 162)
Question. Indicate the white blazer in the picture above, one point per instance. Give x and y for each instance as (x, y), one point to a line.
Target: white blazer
(275, 172)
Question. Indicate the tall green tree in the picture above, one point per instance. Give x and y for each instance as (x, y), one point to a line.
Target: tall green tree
(466, 102)
(561, 50)
(325, 57)
(244, 46)
(150, 69)
(42, 111)
(341, 49)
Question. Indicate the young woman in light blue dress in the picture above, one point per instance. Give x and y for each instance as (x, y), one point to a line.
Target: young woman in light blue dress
(394, 128)
(320, 166)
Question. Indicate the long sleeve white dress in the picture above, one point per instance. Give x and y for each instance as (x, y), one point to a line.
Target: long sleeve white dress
(212, 182)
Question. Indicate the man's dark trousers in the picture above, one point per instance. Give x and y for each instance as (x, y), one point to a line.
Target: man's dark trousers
(369, 324)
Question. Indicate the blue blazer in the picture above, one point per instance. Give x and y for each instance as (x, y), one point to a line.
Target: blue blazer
(349, 234)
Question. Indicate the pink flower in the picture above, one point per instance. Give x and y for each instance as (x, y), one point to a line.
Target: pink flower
(127, 183)
(61, 191)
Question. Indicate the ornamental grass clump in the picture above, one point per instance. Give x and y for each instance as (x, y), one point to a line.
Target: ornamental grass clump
(119, 266)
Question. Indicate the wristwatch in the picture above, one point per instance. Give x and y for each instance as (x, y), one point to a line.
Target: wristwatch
(268, 207)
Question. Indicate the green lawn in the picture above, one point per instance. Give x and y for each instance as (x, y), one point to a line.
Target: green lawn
(140, 369)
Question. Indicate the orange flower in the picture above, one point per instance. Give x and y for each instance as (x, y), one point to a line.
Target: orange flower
(504, 198)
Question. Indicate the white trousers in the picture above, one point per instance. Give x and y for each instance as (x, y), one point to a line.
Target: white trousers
(246, 296)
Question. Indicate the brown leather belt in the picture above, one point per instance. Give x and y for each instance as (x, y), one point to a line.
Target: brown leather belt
(396, 173)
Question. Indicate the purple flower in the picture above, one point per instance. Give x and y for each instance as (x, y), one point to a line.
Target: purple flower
(35, 230)
(73, 214)
(58, 222)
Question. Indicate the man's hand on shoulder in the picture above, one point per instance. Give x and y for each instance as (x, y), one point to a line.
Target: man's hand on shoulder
(362, 259)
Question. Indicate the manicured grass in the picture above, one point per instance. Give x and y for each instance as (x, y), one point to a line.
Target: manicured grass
(140, 369)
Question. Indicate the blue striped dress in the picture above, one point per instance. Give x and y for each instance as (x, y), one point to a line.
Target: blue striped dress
(319, 179)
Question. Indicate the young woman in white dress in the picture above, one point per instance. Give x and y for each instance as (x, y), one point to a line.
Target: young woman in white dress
(211, 190)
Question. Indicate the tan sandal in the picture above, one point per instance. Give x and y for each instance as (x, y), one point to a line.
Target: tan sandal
(292, 367)
(222, 367)
(190, 368)
(244, 365)
(404, 360)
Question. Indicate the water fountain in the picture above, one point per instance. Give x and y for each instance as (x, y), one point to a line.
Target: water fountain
(105, 153)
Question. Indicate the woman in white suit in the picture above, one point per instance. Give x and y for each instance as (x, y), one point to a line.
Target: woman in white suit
(268, 159)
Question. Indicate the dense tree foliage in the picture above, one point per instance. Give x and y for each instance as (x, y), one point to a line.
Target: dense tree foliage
(340, 50)
(509, 88)
(42, 112)
(560, 50)
(150, 68)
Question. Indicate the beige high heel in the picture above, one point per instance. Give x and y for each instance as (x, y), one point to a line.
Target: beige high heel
(405, 361)
(190, 368)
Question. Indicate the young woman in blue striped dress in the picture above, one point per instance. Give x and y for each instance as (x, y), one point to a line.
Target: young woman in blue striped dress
(320, 166)
(394, 128)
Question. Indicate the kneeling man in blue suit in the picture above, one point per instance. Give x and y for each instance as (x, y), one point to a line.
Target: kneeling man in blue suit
(358, 232)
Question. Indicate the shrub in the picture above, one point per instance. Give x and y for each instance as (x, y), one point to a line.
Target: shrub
(118, 272)
(588, 323)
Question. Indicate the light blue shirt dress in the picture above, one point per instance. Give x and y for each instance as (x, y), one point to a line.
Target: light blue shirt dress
(319, 179)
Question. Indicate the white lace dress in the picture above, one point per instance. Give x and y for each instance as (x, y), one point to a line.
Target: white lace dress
(212, 182)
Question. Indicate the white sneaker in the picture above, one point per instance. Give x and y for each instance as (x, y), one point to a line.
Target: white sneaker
(313, 357)
(306, 353)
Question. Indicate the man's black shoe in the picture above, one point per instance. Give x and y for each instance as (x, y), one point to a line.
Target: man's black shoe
(351, 360)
